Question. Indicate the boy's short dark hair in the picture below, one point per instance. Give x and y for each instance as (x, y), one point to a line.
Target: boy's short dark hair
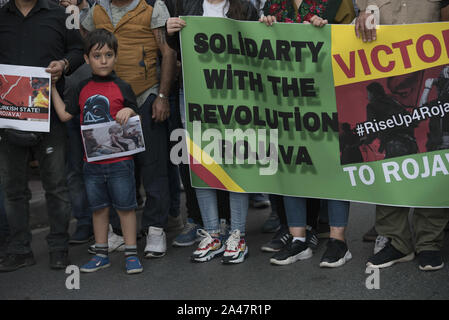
(100, 37)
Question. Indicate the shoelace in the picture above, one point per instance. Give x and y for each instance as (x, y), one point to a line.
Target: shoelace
(233, 241)
(207, 238)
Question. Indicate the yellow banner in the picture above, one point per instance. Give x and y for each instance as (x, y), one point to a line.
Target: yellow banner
(398, 49)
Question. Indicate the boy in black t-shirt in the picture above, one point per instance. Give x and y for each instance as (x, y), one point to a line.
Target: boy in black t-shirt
(103, 98)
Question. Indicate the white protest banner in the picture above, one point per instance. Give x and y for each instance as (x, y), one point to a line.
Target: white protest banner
(24, 98)
(109, 140)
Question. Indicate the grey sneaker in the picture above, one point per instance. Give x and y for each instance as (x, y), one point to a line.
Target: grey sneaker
(156, 243)
(188, 236)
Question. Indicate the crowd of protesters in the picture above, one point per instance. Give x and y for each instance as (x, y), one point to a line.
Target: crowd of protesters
(127, 53)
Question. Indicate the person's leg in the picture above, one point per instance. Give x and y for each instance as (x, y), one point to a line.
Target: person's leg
(207, 201)
(282, 236)
(175, 190)
(297, 249)
(236, 248)
(393, 223)
(75, 184)
(129, 225)
(313, 210)
(154, 168)
(174, 122)
(296, 212)
(188, 236)
(211, 245)
(4, 227)
(239, 211)
(338, 218)
(337, 253)
(429, 225)
(51, 154)
(277, 218)
(100, 220)
(224, 208)
(193, 209)
(13, 168)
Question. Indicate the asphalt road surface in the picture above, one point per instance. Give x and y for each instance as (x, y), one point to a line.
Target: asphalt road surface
(174, 277)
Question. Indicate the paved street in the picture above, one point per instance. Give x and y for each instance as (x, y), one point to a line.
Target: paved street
(175, 277)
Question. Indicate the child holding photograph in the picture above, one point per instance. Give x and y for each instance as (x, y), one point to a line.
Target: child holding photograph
(102, 98)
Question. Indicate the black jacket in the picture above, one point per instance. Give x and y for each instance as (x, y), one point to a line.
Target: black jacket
(195, 8)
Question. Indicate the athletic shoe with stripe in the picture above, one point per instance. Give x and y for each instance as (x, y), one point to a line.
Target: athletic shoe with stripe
(236, 249)
(95, 264)
(208, 248)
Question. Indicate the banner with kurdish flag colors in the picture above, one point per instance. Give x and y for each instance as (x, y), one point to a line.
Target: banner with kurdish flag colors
(315, 112)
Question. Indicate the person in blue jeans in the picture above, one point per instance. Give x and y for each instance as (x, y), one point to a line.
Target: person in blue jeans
(336, 254)
(235, 249)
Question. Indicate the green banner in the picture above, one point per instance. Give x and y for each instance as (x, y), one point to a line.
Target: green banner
(261, 115)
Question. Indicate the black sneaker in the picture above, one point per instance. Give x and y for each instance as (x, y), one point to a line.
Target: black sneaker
(430, 260)
(13, 262)
(82, 234)
(336, 254)
(292, 252)
(59, 259)
(311, 238)
(279, 241)
(388, 256)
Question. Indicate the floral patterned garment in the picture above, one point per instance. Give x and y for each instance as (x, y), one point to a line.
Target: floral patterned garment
(284, 10)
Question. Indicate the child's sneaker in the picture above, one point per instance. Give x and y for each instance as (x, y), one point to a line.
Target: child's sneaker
(133, 265)
(236, 249)
(96, 263)
(208, 248)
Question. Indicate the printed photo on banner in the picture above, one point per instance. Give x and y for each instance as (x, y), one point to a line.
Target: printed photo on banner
(24, 98)
(111, 140)
(395, 116)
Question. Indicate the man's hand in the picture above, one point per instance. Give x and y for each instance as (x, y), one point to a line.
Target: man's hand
(268, 20)
(174, 25)
(55, 68)
(361, 29)
(161, 109)
(66, 3)
(123, 115)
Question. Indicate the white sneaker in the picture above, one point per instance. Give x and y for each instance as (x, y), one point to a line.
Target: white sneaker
(236, 249)
(208, 248)
(156, 243)
(115, 242)
(380, 243)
